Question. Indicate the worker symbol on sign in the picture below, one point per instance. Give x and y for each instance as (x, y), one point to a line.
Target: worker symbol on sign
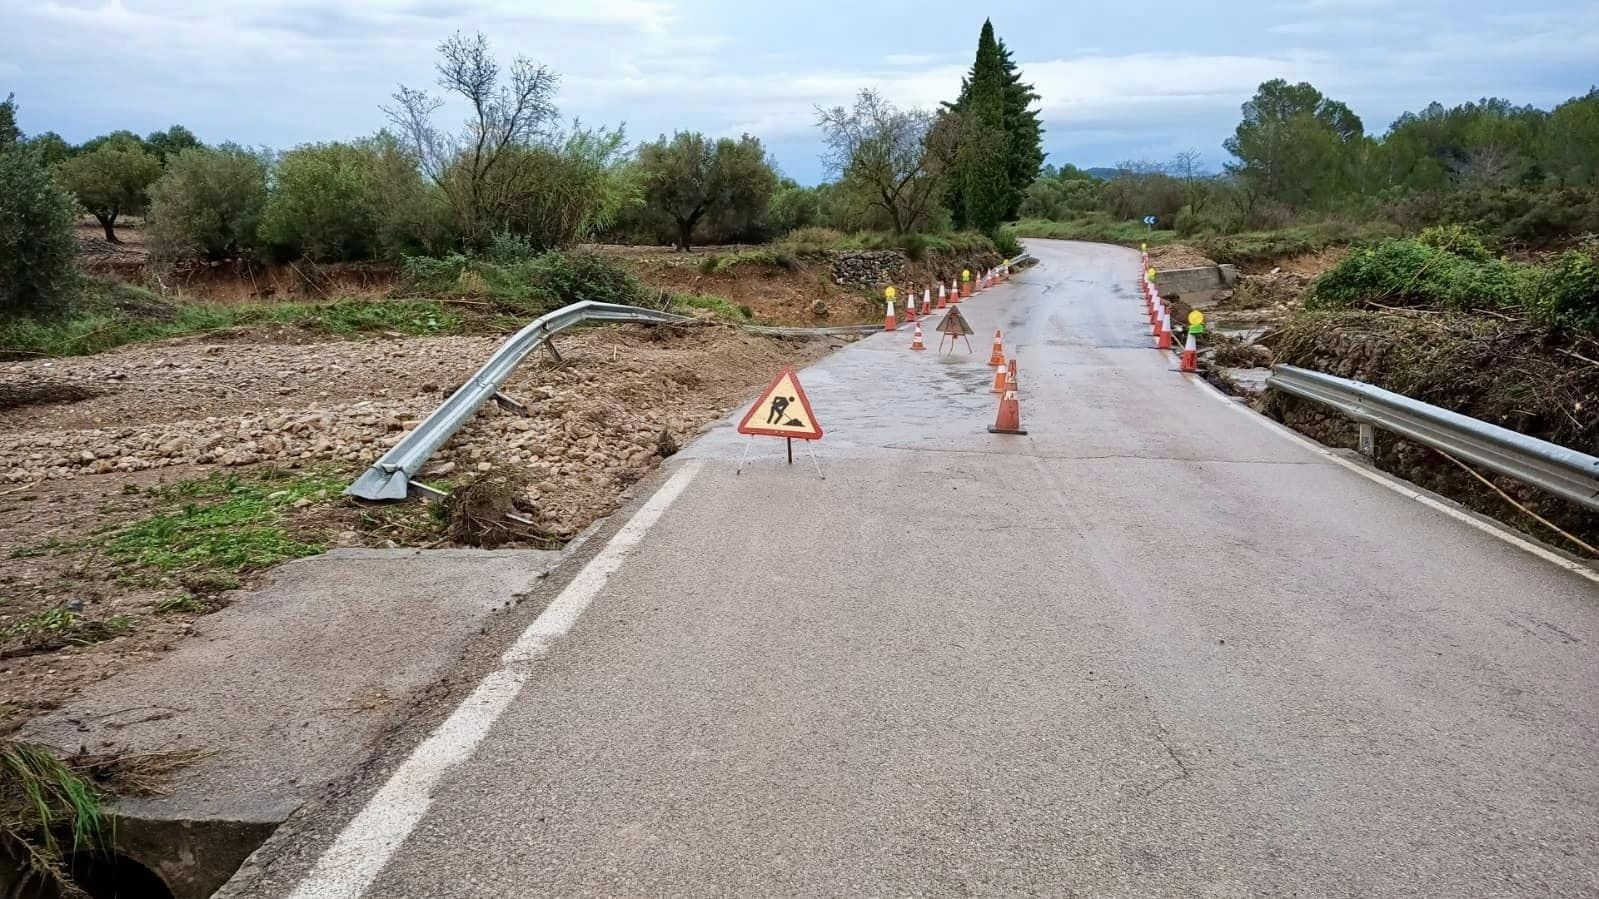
(782, 411)
(780, 406)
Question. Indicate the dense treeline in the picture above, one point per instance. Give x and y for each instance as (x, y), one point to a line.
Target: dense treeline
(1511, 172)
(513, 175)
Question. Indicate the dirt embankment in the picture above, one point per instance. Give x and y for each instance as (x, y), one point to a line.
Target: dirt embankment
(1497, 371)
(805, 290)
(1491, 368)
(112, 523)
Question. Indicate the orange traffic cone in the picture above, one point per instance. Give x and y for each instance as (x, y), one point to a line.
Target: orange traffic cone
(927, 301)
(1009, 419)
(1163, 340)
(916, 338)
(910, 308)
(1190, 355)
(890, 321)
(997, 357)
(999, 379)
(943, 301)
(966, 290)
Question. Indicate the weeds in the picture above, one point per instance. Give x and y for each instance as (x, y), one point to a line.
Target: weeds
(716, 264)
(96, 328)
(182, 602)
(1448, 269)
(39, 798)
(717, 306)
(815, 241)
(242, 530)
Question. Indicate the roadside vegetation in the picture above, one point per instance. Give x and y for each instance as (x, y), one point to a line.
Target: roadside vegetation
(490, 211)
(1302, 172)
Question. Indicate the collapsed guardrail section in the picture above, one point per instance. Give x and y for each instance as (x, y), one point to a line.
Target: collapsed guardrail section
(1562, 471)
(389, 478)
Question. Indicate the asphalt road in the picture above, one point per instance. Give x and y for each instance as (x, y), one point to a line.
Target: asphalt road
(1152, 648)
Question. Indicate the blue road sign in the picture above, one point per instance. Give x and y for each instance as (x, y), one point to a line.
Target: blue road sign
(1149, 220)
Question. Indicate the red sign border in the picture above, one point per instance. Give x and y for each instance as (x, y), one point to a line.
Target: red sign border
(744, 427)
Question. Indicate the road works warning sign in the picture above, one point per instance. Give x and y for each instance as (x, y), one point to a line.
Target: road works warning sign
(782, 411)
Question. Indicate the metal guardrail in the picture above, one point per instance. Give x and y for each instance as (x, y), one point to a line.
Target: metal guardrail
(389, 478)
(1565, 472)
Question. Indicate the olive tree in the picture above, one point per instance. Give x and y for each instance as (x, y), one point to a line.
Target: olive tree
(208, 203)
(690, 178)
(110, 181)
(36, 247)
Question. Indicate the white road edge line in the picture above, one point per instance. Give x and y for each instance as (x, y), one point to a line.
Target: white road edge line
(356, 858)
(1397, 486)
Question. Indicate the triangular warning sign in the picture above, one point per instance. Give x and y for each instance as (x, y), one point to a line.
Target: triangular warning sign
(954, 324)
(782, 411)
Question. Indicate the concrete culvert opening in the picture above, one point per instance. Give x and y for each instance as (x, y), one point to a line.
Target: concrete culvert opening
(96, 875)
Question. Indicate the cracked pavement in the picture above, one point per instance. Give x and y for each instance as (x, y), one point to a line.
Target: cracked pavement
(1094, 660)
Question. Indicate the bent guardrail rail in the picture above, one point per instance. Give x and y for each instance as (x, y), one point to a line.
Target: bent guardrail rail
(1562, 471)
(389, 478)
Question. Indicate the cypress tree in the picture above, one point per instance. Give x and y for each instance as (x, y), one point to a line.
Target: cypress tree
(1001, 148)
(983, 167)
(1025, 154)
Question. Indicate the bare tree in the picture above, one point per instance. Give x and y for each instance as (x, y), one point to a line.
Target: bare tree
(1185, 165)
(467, 164)
(888, 154)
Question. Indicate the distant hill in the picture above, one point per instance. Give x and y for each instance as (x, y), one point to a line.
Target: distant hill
(1103, 173)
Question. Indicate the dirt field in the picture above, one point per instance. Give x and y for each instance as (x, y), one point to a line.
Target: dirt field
(120, 528)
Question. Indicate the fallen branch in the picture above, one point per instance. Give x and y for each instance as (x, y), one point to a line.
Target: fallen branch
(1546, 522)
(1576, 355)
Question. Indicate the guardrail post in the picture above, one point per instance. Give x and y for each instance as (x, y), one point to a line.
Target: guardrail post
(1368, 441)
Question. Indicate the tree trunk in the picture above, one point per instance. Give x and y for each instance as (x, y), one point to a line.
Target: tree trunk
(685, 230)
(109, 223)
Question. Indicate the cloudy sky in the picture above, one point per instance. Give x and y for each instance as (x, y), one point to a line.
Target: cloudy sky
(1119, 81)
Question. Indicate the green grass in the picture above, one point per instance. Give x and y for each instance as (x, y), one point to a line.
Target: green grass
(110, 315)
(768, 257)
(61, 626)
(718, 306)
(813, 241)
(181, 602)
(1096, 229)
(220, 524)
(40, 798)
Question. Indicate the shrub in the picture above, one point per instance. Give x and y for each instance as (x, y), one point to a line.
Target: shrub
(325, 204)
(36, 244)
(536, 285)
(1402, 272)
(1565, 293)
(1457, 239)
(208, 203)
(794, 207)
(1007, 244)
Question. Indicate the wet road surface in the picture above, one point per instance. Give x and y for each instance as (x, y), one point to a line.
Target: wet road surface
(1152, 648)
